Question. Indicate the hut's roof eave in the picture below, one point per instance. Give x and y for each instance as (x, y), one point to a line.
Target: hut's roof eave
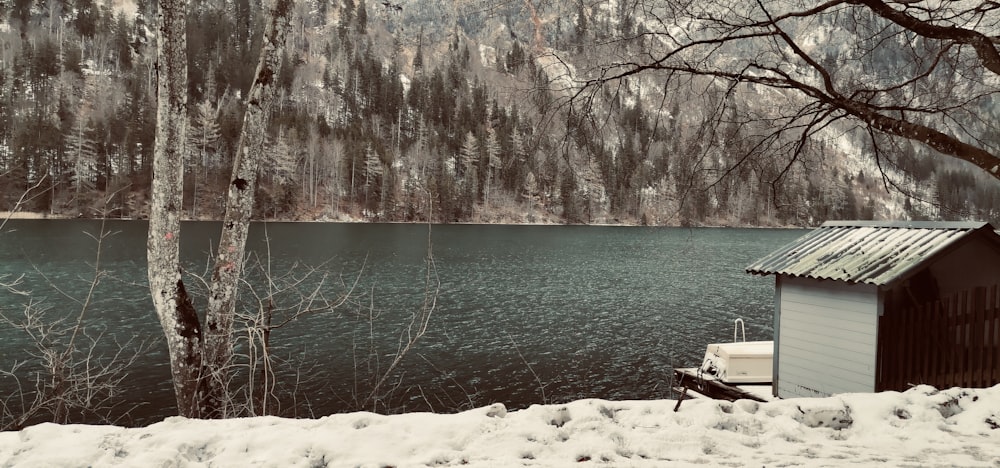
(879, 253)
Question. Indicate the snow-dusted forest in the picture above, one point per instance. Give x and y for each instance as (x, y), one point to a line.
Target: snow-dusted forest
(441, 111)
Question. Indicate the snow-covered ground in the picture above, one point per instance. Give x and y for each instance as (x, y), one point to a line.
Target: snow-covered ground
(921, 427)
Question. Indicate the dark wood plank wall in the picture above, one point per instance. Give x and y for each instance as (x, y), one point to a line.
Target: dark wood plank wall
(954, 342)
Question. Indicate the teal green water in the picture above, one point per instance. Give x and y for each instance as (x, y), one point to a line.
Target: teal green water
(525, 314)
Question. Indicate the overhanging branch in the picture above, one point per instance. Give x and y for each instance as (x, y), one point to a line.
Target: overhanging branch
(984, 45)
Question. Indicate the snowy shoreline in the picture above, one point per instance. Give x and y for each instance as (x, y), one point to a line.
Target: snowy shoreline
(28, 215)
(352, 220)
(920, 427)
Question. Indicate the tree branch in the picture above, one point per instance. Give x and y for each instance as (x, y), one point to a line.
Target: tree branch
(984, 45)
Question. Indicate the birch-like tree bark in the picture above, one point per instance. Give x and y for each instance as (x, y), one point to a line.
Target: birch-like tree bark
(173, 305)
(199, 362)
(239, 201)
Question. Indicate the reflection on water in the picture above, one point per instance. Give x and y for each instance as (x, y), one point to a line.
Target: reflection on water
(565, 311)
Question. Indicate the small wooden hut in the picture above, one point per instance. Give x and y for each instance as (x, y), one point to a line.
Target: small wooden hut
(865, 306)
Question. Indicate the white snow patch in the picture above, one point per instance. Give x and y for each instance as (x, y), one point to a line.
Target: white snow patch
(561, 75)
(487, 55)
(921, 427)
(128, 7)
(406, 82)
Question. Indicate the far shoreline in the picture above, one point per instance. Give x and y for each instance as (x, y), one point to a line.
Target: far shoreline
(30, 215)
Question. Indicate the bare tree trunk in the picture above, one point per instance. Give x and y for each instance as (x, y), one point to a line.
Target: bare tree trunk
(239, 202)
(199, 369)
(173, 306)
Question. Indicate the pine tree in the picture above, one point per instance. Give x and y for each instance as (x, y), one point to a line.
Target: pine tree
(87, 17)
(122, 39)
(284, 162)
(468, 157)
(468, 154)
(346, 18)
(202, 138)
(362, 23)
(373, 170)
(418, 56)
(82, 154)
(211, 83)
(513, 178)
(530, 190)
(570, 201)
(581, 27)
(493, 164)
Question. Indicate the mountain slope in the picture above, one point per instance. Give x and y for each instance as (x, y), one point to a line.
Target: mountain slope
(444, 111)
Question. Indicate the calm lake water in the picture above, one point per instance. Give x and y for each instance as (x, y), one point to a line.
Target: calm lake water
(525, 314)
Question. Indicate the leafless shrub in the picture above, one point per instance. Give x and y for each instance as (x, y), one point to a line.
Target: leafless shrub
(409, 335)
(268, 378)
(73, 369)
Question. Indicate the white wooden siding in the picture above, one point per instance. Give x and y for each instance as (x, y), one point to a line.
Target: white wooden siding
(827, 337)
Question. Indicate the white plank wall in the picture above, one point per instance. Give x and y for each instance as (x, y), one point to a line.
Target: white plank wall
(827, 337)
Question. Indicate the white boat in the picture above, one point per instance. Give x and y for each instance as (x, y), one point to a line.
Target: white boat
(739, 363)
(730, 371)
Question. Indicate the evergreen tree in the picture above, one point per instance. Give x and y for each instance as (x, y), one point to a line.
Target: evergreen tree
(47, 63)
(491, 149)
(83, 156)
(373, 171)
(21, 12)
(362, 23)
(582, 28)
(418, 60)
(468, 155)
(516, 166)
(346, 19)
(515, 58)
(530, 190)
(122, 42)
(570, 200)
(285, 158)
(5, 123)
(87, 18)
(626, 20)
(202, 137)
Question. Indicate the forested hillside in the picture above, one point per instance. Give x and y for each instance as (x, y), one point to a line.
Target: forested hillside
(425, 110)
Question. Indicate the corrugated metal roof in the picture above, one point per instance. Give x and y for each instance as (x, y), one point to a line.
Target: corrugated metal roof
(864, 251)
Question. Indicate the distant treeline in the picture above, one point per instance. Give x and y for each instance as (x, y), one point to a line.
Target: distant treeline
(384, 124)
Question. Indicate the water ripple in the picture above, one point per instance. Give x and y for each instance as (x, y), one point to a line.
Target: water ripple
(568, 312)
